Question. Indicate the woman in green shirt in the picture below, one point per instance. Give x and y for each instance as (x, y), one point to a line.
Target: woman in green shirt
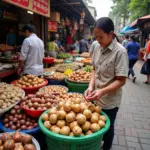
(52, 47)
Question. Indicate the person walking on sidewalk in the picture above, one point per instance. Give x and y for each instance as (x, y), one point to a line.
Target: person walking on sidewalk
(126, 41)
(133, 48)
(110, 62)
(146, 66)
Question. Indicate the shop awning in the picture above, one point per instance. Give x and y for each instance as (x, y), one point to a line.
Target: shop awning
(128, 29)
(72, 8)
(139, 20)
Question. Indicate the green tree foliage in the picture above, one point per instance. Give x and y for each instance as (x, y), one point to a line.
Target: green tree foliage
(139, 8)
(120, 9)
(132, 9)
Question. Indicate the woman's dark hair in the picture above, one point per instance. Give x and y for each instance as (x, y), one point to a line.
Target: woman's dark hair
(52, 38)
(30, 28)
(132, 37)
(107, 25)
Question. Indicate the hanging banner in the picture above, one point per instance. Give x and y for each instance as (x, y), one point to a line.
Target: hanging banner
(52, 26)
(41, 7)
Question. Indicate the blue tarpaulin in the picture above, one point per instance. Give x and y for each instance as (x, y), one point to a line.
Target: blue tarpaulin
(127, 29)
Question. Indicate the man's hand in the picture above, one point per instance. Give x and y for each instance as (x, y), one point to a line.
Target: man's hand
(19, 71)
(95, 95)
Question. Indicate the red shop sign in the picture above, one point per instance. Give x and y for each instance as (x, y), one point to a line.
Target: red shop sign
(41, 7)
(52, 26)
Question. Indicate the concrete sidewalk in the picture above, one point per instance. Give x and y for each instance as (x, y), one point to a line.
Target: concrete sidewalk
(132, 128)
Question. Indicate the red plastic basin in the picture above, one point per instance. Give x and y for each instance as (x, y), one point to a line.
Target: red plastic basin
(33, 113)
(32, 90)
(48, 61)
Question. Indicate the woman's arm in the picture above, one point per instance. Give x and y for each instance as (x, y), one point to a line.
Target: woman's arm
(147, 50)
(92, 81)
(114, 86)
(91, 85)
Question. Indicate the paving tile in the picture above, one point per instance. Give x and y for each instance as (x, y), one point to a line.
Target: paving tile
(128, 131)
(119, 132)
(115, 140)
(131, 148)
(131, 139)
(145, 146)
(116, 147)
(122, 140)
(119, 128)
(134, 132)
(144, 135)
(144, 141)
(133, 144)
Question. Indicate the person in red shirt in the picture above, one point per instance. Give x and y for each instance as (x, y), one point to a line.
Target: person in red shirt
(68, 41)
(147, 61)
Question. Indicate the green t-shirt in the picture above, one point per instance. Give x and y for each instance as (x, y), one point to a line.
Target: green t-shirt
(52, 46)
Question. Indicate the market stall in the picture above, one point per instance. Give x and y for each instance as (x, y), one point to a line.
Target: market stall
(74, 121)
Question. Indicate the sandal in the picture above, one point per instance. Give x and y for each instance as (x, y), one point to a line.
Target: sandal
(146, 82)
(134, 78)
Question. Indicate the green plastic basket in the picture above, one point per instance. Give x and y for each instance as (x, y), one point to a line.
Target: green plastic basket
(77, 87)
(61, 142)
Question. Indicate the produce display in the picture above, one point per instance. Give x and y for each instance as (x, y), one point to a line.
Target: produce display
(39, 101)
(4, 47)
(87, 61)
(88, 68)
(71, 97)
(16, 141)
(80, 76)
(51, 69)
(53, 89)
(68, 72)
(17, 119)
(9, 95)
(63, 67)
(74, 119)
(56, 76)
(63, 55)
(79, 59)
(29, 81)
(80, 64)
(85, 54)
(58, 61)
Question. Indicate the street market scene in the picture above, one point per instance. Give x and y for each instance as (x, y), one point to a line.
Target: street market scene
(74, 75)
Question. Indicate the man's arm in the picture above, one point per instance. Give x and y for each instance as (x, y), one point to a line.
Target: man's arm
(23, 55)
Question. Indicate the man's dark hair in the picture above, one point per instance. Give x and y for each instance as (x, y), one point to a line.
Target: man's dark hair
(126, 36)
(30, 28)
(132, 37)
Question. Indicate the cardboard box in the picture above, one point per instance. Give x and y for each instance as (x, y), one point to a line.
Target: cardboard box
(55, 16)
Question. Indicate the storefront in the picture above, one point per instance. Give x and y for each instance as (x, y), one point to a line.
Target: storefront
(143, 24)
(71, 17)
(14, 15)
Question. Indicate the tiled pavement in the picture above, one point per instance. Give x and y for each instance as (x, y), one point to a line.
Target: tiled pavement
(132, 128)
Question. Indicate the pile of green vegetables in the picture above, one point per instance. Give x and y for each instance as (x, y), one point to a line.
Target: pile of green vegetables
(88, 68)
(63, 55)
